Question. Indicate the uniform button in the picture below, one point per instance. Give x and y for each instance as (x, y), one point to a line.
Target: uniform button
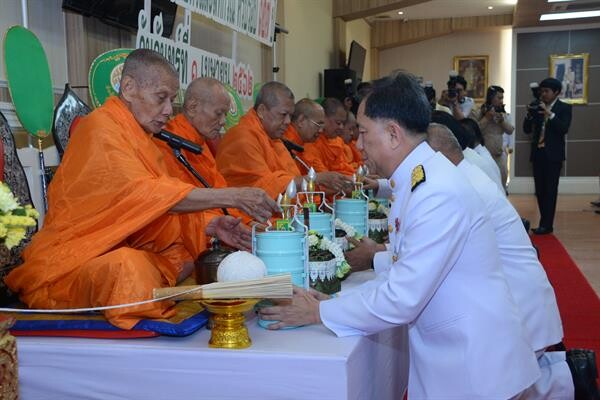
(393, 198)
(390, 228)
(394, 258)
(392, 183)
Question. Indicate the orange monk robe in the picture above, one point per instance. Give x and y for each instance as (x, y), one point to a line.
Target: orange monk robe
(352, 155)
(292, 135)
(204, 163)
(328, 155)
(247, 156)
(108, 237)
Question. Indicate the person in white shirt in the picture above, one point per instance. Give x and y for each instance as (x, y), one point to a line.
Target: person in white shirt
(525, 275)
(460, 105)
(478, 145)
(442, 276)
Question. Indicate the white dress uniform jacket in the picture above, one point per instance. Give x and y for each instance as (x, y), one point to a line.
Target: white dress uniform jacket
(490, 169)
(445, 281)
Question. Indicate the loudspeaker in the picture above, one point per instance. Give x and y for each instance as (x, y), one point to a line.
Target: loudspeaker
(334, 83)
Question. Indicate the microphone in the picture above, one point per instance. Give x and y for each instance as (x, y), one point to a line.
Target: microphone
(292, 146)
(177, 142)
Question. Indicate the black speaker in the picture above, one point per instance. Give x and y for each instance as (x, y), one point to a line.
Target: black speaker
(335, 85)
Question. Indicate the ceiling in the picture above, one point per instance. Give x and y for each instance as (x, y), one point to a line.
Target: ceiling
(448, 9)
(525, 12)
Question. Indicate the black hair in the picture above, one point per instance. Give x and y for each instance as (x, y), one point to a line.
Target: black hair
(552, 83)
(464, 138)
(472, 126)
(399, 98)
(491, 93)
(458, 79)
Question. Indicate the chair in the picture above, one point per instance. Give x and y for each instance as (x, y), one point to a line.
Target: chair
(68, 110)
(13, 175)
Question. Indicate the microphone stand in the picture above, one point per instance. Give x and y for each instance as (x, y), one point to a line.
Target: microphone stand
(181, 158)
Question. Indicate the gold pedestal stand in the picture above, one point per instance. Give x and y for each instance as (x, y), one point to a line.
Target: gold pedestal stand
(229, 329)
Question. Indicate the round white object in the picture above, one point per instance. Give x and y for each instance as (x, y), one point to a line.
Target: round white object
(241, 266)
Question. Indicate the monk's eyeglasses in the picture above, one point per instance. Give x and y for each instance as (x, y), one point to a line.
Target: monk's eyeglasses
(318, 125)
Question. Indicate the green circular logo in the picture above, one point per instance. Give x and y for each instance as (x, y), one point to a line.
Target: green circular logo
(236, 110)
(105, 75)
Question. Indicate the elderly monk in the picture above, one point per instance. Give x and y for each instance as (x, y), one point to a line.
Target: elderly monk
(252, 153)
(118, 223)
(307, 122)
(350, 136)
(327, 152)
(205, 106)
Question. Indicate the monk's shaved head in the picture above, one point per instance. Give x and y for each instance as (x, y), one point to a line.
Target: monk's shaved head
(331, 105)
(204, 90)
(441, 139)
(306, 107)
(143, 64)
(271, 94)
(148, 88)
(205, 105)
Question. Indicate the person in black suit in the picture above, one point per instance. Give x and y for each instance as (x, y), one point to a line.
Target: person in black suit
(549, 122)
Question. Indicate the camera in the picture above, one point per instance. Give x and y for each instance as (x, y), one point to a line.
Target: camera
(498, 109)
(429, 93)
(452, 81)
(534, 108)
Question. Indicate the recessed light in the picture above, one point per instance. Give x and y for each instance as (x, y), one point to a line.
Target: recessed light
(490, 7)
(570, 15)
(557, 1)
(400, 12)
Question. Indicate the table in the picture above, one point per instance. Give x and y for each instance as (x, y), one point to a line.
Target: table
(304, 363)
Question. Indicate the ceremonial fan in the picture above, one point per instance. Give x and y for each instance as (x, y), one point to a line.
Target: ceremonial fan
(30, 87)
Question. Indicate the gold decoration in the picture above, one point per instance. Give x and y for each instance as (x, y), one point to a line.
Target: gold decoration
(228, 323)
(417, 177)
(9, 386)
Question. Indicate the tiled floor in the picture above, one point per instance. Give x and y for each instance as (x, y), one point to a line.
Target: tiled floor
(575, 225)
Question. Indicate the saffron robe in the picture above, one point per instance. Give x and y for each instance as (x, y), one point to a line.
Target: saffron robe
(247, 156)
(108, 237)
(328, 155)
(204, 163)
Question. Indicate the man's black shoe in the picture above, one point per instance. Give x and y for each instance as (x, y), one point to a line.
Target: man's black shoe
(582, 364)
(542, 231)
(595, 203)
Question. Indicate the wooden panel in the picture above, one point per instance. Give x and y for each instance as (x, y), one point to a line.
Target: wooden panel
(339, 42)
(374, 63)
(355, 9)
(398, 33)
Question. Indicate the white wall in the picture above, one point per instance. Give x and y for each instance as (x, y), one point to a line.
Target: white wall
(309, 45)
(47, 22)
(433, 59)
(360, 31)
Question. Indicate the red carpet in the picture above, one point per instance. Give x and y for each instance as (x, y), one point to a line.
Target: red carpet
(578, 303)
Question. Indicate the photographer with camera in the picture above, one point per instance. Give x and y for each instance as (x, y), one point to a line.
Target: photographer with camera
(493, 122)
(454, 98)
(548, 119)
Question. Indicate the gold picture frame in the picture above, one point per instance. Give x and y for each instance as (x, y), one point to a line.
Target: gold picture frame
(475, 71)
(572, 71)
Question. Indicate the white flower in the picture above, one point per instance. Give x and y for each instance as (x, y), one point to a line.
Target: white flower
(7, 199)
(313, 240)
(345, 227)
(372, 205)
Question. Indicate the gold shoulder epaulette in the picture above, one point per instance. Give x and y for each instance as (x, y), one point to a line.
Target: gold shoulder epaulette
(418, 177)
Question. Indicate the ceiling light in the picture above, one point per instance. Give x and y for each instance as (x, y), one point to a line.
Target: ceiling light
(400, 12)
(570, 15)
(557, 1)
(490, 7)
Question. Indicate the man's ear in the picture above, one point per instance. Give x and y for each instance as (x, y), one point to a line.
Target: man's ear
(128, 88)
(260, 110)
(395, 134)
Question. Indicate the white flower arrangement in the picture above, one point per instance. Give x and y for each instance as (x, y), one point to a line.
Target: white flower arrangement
(375, 208)
(317, 242)
(350, 231)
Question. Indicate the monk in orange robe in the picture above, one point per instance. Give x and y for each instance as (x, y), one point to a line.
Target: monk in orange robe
(350, 136)
(118, 223)
(307, 123)
(205, 106)
(252, 153)
(327, 152)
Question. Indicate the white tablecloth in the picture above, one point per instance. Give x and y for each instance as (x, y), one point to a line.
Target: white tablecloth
(304, 363)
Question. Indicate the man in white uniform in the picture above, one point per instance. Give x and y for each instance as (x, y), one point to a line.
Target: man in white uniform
(524, 274)
(443, 275)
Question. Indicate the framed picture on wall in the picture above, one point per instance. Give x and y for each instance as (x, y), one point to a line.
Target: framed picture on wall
(475, 71)
(572, 71)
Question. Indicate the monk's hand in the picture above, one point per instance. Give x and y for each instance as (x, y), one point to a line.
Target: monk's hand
(361, 257)
(255, 202)
(303, 309)
(370, 184)
(334, 181)
(231, 231)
